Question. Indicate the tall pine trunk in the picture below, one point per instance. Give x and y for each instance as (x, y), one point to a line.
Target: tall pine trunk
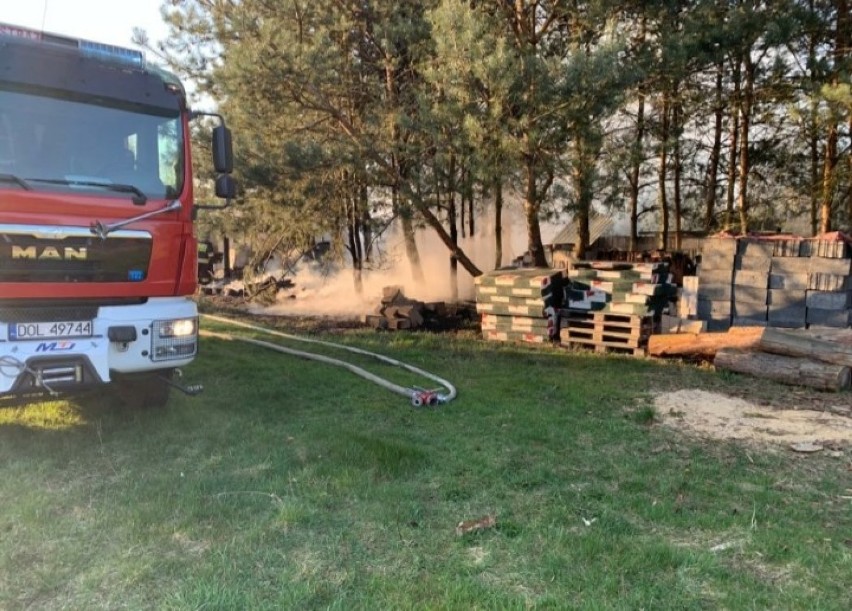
(637, 153)
(662, 172)
(531, 209)
(635, 172)
(712, 179)
(498, 223)
(745, 135)
(582, 179)
(733, 149)
(678, 170)
(828, 179)
(453, 222)
(409, 238)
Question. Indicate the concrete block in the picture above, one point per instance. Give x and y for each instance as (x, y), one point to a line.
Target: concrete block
(750, 294)
(825, 300)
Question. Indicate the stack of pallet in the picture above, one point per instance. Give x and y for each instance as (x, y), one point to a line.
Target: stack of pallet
(612, 307)
(620, 288)
(606, 331)
(510, 303)
(778, 282)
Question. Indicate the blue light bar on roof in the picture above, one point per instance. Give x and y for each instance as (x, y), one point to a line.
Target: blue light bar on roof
(112, 53)
(130, 57)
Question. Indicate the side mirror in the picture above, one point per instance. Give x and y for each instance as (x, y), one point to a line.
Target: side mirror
(226, 187)
(223, 154)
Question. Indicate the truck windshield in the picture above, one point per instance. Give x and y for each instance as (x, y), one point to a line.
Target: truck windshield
(58, 144)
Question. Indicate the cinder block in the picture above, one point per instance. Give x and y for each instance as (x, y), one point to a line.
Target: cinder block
(839, 319)
(795, 282)
(829, 282)
(715, 276)
(723, 246)
(784, 298)
(758, 279)
(744, 321)
(791, 316)
(715, 292)
(823, 265)
(718, 324)
(752, 247)
(787, 248)
(717, 260)
(755, 264)
(749, 310)
(825, 300)
(750, 294)
(788, 266)
(709, 309)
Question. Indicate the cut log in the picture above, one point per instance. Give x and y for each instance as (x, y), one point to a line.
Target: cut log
(796, 371)
(703, 345)
(836, 349)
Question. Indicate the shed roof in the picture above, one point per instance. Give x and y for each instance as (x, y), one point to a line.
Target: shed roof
(598, 226)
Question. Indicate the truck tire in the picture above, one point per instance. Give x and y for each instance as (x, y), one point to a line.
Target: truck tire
(144, 390)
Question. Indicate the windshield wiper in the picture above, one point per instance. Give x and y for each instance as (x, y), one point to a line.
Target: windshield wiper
(17, 180)
(138, 198)
(103, 230)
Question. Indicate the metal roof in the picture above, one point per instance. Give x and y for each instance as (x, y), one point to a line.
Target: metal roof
(598, 226)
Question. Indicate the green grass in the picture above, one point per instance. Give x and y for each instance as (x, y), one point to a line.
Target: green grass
(292, 485)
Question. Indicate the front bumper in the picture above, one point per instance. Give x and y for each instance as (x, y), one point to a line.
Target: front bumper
(125, 339)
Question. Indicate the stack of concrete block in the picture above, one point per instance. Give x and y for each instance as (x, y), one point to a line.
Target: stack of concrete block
(750, 283)
(715, 282)
(785, 282)
(510, 304)
(788, 284)
(828, 298)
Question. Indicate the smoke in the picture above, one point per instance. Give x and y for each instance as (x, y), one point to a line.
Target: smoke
(320, 292)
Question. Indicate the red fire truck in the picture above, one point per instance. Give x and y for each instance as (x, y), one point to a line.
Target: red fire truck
(97, 252)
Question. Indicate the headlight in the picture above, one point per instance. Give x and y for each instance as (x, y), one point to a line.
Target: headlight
(174, 339)
(183, 327)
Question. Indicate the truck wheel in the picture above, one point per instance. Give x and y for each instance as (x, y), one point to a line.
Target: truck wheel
(144, 390)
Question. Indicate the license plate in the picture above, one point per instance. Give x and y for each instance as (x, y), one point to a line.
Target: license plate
(50, 330)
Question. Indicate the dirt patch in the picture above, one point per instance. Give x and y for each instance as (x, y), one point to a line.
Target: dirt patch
(719, 416)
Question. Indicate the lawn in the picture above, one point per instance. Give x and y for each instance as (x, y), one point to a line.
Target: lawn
(290, 484)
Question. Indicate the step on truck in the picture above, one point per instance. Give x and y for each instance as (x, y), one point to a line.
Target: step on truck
(98, 261)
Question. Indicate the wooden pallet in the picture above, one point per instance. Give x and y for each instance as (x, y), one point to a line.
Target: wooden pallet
(607, 348)
(607, 321)
(634, 336)
(596, 316)
(514, 336)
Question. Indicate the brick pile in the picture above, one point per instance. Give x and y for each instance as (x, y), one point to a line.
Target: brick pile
(511, 306)
(784, 281)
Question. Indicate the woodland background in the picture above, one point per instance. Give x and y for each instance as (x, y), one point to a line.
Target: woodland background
(351, 116)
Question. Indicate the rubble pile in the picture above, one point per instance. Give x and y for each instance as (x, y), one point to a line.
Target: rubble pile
(397, 312)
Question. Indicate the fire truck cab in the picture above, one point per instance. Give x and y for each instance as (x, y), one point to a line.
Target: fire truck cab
(98, 261)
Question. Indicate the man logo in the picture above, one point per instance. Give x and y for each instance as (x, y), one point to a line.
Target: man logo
(50, 253)
(62, 346)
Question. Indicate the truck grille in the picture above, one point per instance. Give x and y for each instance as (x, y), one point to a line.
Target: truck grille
(31, 253)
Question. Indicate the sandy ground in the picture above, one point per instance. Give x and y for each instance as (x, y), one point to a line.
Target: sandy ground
(717, 416)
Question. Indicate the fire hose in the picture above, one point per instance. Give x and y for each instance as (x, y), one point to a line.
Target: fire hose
(418, 396)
